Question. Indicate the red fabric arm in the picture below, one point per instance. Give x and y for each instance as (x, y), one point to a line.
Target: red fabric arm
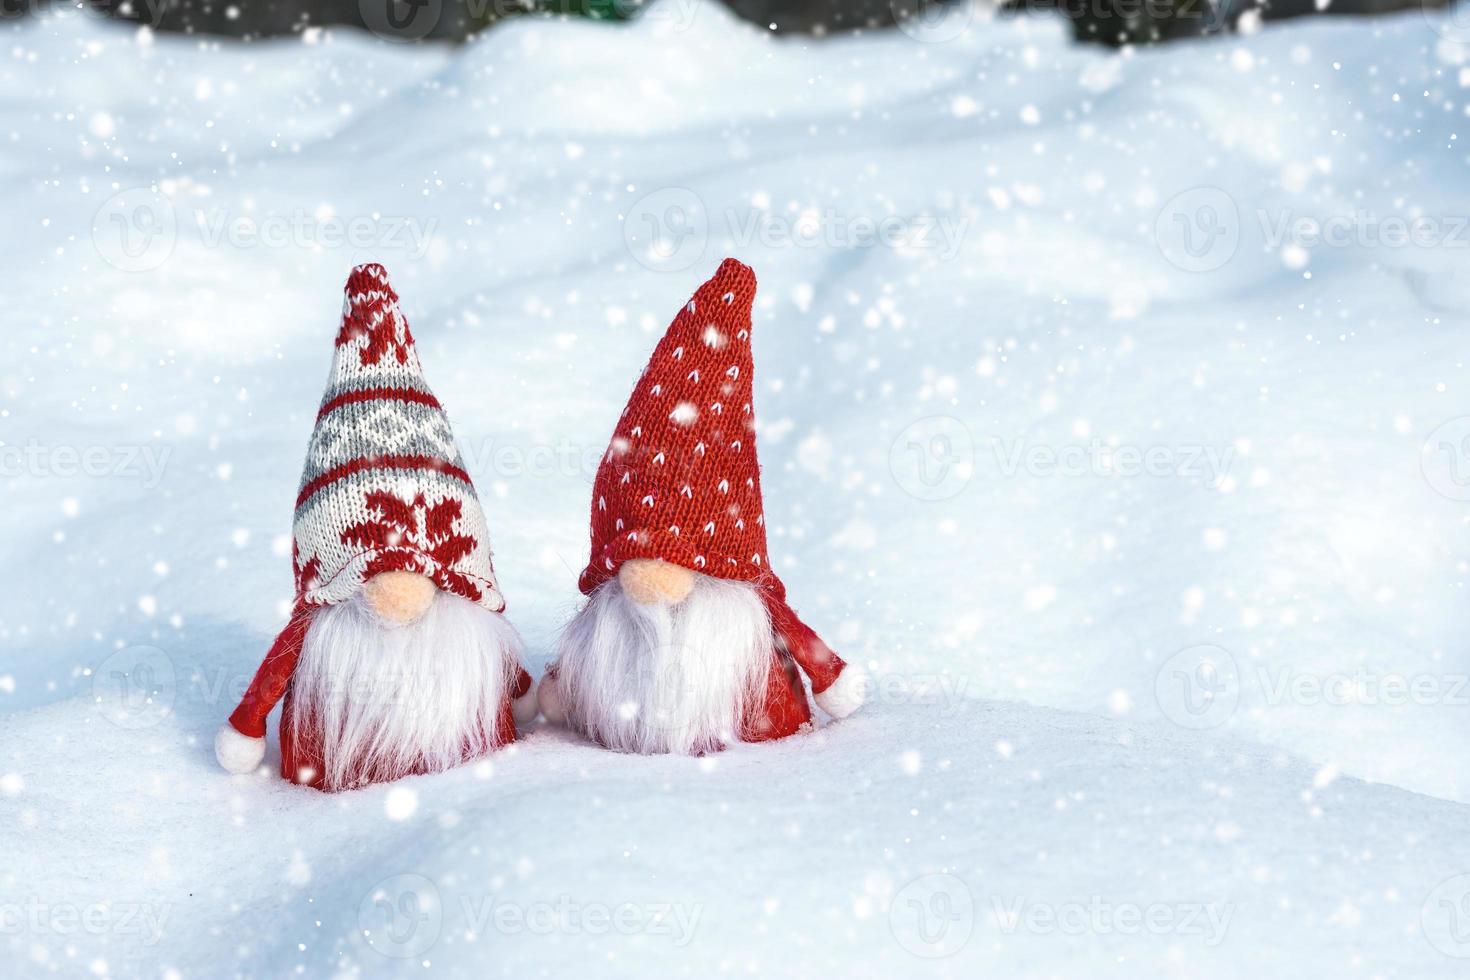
(273, 677)
(522, 683)
(811, 654)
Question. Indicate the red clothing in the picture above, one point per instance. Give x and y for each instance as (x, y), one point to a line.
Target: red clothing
(785, 711)
(301, 753)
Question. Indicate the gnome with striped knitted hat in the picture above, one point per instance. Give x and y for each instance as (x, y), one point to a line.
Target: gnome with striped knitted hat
(397, 659)
(686, 642)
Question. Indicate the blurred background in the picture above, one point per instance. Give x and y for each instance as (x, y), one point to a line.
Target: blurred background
(1110, 22)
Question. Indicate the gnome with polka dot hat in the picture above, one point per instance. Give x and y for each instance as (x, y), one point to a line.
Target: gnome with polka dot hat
(398, 659)
(686, 642)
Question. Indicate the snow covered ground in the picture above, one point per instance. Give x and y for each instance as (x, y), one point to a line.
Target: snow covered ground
(1143, 496)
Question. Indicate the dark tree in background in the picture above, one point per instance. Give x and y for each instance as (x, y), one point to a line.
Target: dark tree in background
(1110, 22)
(1120, 22)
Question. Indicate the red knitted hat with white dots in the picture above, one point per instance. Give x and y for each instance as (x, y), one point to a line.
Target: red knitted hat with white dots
(680, 480)
(385, 488)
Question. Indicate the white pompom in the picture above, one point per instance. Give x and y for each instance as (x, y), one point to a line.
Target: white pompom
(524, 707)
(236, 752)
(549, 698)
(846, 694)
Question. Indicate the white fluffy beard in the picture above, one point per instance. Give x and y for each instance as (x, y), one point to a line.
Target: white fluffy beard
(658, 678)
(387, 701)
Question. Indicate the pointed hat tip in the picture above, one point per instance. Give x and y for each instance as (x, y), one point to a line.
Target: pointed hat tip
(734, 283)
(368, 276)
(733, 270)
(733, 266)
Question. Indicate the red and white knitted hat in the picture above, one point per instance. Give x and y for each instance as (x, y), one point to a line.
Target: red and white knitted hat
(385, 488)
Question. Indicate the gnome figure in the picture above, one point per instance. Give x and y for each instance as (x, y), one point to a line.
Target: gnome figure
(686, 642)
(397, 659)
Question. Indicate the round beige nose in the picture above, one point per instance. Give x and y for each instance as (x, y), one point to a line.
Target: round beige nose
(650, 582)
(399, 598)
